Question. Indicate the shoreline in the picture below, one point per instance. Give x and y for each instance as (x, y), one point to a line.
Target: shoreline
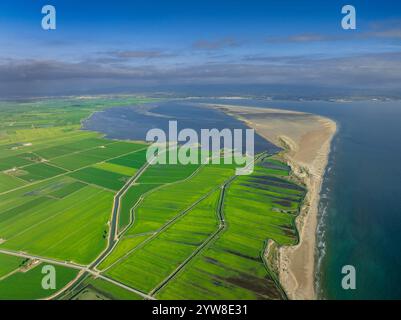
(292, 258)
(306, 140)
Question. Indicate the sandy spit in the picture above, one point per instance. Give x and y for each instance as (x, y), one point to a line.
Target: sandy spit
(306, 139)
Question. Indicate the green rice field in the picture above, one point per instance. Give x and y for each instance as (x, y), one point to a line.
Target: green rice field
(8, 264)
(98, 289)
(233, 267)
(28, 285)
(74, 197)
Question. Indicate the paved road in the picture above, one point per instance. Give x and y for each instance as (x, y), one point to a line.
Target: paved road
(74, 266)
(47, 260)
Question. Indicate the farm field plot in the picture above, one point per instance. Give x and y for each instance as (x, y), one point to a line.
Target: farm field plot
(101, 178)
(150, 263)
(76, 146)
(57, 112)
(8, 264)
(99, 289)
(43, 211)
(155, 176)
(28, 285)
(125, 245)
(13, 162)
(41, 148)
(128, 201)
(69, 228)
(167, 173)
(89, 157)
(8, 182)
(39, 171)
(160, 206)
(133, 160)
(127, 171)
(232, 267)
(67, 189)
(175, 233)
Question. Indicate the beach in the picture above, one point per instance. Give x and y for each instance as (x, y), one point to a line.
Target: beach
(306, 140)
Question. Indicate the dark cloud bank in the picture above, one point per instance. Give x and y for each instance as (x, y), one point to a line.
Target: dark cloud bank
(370, 73)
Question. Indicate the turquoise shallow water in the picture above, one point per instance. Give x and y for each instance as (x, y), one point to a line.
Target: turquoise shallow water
(360, 209)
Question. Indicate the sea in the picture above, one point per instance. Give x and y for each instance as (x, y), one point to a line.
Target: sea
(360, 206)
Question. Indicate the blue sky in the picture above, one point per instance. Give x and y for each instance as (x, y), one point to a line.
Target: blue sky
(107, 44)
